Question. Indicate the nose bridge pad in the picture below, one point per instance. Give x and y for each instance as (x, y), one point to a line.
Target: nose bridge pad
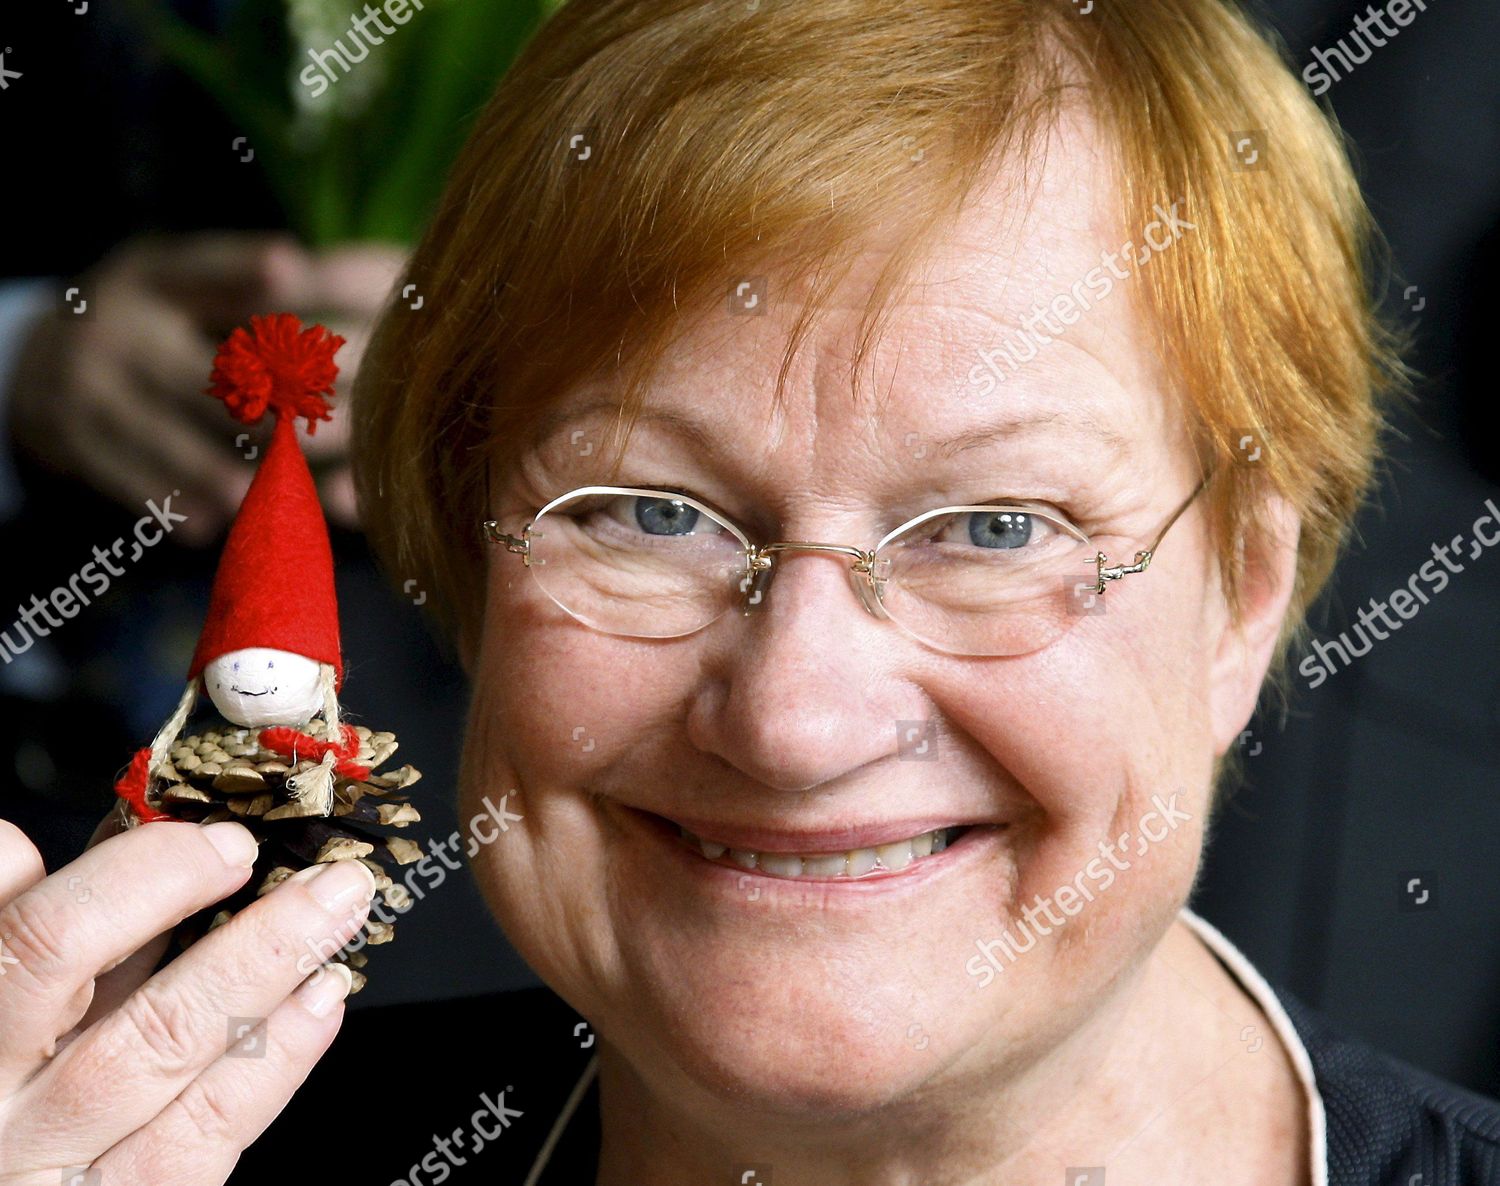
(864, 587)
(753, 588)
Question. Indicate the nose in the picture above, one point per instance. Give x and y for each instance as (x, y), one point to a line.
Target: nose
(799, 689)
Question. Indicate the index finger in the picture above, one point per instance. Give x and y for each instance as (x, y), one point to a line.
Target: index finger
(57, 937)
(221, 278)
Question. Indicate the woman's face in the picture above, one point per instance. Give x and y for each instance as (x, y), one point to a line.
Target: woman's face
(788, 730)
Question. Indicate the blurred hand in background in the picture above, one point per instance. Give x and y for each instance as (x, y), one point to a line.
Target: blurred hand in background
(116, 399)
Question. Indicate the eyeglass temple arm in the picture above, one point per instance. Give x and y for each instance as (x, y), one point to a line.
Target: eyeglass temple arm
(491, 529)
(1114, 572)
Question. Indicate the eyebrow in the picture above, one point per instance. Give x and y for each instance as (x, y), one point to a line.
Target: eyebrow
(1072, 421)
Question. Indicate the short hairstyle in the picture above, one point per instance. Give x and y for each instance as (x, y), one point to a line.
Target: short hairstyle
(719, 136)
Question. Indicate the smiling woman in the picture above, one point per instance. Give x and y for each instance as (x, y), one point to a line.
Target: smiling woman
(837, 901)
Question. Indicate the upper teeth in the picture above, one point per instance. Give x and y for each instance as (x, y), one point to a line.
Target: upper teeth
(854, 863)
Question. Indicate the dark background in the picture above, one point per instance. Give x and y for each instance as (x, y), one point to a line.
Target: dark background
(1385, 771)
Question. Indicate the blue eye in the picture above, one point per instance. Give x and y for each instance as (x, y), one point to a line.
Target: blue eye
(270, 662)
(659, 517)
(1002, 530)
(236, 665)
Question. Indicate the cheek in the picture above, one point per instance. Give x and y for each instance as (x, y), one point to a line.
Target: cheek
(578, 699)
(1107, 738)
(555, 707)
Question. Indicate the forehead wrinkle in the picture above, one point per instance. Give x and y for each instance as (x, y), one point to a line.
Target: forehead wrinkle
(697, 434)
(1060, 394)
(1078, 420)
(928, 345)
(1073, 422)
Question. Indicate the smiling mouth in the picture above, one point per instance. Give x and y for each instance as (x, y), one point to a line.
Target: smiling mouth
(247, 692)
(851, 865)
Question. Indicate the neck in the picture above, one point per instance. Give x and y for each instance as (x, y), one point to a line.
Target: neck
(1155, 1085)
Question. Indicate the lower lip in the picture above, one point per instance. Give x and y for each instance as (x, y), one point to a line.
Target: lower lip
(975, 845)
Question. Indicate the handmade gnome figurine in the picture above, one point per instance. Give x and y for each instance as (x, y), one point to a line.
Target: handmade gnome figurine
(269, 658)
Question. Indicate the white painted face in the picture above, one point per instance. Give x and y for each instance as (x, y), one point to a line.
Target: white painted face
(260, 686)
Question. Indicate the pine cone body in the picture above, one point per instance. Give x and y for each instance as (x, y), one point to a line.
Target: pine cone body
(224, 773)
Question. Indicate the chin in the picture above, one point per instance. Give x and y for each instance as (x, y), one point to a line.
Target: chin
(791, 1035)
(813, 995)
(801, 997)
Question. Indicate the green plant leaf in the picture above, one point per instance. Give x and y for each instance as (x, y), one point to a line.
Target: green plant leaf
(449, 70)
(371, 174)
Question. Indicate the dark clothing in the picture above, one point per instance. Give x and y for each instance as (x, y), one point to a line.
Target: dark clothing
(1390, 1124)
(437, 1071)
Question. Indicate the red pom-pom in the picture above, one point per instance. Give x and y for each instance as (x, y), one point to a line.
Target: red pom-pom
(276, 364)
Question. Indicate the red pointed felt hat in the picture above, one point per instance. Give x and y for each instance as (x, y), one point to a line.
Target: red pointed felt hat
(274, 586)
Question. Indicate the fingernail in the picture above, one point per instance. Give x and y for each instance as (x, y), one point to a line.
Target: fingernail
(321, 991)
(235, 842)
(339, 883)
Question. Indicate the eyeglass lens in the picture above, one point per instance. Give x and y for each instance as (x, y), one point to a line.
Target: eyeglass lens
(990, 581)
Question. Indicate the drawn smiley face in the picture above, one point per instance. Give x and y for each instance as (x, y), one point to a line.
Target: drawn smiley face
(259, 686)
